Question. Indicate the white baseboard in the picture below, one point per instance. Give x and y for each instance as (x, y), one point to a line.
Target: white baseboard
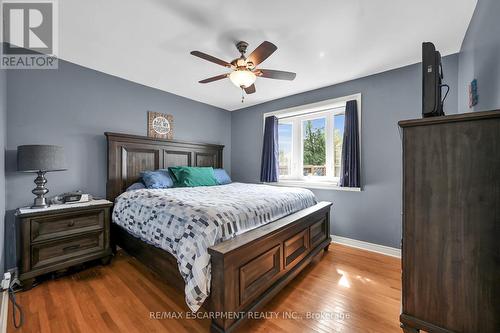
(382, 249)
(4, 299)
(4, 302)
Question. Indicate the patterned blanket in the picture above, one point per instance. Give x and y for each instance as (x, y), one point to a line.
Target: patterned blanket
(187, 221)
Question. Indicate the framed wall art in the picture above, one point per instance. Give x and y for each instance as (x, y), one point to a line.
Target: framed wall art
(160, 125)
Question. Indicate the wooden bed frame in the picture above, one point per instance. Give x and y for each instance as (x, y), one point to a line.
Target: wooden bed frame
(248, 270)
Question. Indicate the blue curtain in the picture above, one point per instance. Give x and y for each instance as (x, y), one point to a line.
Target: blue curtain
(350, 173)
(270, 153)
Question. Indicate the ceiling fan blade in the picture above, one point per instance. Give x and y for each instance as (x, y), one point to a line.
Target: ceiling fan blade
(211, 58)
(262, 52)
(214, 78)
(273, 74)
(250, 89)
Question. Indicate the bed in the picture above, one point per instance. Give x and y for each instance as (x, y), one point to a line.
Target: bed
(241, 262)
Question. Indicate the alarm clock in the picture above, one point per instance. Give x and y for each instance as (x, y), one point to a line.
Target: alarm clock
(70, 198)
(76, 198)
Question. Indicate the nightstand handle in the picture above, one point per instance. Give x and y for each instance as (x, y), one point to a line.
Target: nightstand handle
(70, 248)
(71, 223)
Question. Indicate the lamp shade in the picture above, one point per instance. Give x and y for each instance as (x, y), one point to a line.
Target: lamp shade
(34, 158)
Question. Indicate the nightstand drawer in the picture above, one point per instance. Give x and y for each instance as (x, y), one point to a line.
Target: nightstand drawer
(49, 253)
(66, 224)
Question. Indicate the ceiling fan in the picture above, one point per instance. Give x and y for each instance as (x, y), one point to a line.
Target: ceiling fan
(244, 69)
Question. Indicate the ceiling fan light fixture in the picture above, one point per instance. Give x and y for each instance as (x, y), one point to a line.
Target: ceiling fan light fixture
(244, 69)
(242, 78)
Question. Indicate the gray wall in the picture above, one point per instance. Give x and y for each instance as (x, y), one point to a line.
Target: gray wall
(373, 215)
(3, 138)
(480, 58)
(73, 106)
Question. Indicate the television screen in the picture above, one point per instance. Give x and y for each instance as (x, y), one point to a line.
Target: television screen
(432, 75)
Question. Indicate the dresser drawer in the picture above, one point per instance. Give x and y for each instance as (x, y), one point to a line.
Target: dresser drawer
(45, 228)
(49, 253)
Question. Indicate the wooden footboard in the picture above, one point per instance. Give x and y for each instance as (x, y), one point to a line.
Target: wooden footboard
(249, 270)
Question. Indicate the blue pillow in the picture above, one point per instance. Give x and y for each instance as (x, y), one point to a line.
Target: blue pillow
(222, 177)
(157, 179)
(136, 186)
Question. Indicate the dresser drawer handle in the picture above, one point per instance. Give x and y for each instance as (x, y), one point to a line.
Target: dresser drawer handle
(71, 223)
(71, 248)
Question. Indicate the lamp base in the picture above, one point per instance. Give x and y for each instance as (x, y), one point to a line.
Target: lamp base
(40, 203)
(40, 190)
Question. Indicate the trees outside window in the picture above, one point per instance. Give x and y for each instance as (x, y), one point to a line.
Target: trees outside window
(314, 150)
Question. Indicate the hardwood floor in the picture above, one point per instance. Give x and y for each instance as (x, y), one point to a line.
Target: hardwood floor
(346, 290)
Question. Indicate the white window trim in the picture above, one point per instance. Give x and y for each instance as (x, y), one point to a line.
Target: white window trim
(316, 108)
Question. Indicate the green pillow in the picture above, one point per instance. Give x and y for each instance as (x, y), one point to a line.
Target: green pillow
(193, 176)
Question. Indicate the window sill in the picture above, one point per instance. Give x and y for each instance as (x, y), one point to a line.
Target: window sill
(315, 185)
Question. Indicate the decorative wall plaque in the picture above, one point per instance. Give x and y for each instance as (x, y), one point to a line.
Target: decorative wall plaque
(473, 96)
(160, 125)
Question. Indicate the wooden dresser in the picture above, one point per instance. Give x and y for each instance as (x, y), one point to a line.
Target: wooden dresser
(62, 236)
(451, 224)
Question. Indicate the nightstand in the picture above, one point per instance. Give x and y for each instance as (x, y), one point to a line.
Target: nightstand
(61, 236)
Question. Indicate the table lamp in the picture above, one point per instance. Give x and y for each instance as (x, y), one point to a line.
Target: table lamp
(40, 159)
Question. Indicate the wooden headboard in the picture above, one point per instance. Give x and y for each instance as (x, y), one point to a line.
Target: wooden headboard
(128, 155)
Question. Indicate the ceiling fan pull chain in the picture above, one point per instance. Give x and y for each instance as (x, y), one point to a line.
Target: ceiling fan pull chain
(242, 95)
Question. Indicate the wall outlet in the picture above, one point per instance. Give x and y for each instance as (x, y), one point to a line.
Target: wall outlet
(6, 280)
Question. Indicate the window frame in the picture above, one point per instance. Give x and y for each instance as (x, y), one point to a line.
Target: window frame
(325, 109)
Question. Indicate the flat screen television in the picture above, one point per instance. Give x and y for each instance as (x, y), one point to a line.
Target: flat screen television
(432, 77)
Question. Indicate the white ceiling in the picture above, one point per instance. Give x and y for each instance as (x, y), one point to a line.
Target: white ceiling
(323, 41)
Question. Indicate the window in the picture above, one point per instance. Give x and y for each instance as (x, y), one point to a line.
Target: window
(285, 148)
(338, 139)
(310, 145)
(310, 142)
